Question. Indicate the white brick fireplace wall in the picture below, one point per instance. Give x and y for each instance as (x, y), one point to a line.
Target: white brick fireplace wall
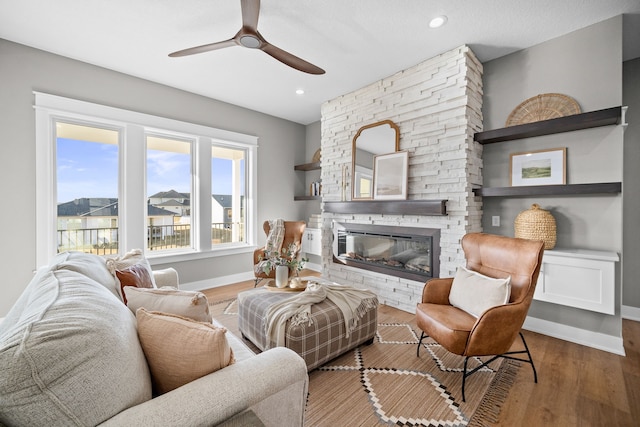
(437, 106)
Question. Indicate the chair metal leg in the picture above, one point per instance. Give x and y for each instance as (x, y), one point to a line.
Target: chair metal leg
(422, 336)
(526, 347)
(464, 376)
(507, 355)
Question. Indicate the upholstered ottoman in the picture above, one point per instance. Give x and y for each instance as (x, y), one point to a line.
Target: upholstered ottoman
(318, 341)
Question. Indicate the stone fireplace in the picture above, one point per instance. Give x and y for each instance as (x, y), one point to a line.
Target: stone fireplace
(437, 107)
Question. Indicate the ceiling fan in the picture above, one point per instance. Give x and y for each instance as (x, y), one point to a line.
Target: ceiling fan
(248, 36)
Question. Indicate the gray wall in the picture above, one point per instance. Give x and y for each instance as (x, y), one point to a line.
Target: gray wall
(24, 69)
(312, 142)
(586, 65)
(631, 203)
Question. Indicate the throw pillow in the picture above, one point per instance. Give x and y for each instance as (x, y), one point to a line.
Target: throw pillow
(135, 276)
(191, 304)
(180, 350)
(132, 269)
(475, 293)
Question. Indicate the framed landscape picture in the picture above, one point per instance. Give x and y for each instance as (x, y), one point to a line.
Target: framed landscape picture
(545, 167)
(390, 176)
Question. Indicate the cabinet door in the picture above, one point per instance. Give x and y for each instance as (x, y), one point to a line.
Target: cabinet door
(580, 282)
(312, 241)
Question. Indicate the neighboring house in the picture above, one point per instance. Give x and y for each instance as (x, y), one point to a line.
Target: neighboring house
(177, 207)
(94, 221)
(221, 209)
(88, 213)
(172, 200)
(180, 205)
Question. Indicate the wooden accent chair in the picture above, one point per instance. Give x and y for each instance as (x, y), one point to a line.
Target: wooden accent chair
(293, 231)
(494, 331)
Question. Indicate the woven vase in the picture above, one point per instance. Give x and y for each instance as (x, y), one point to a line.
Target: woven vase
(536, 224)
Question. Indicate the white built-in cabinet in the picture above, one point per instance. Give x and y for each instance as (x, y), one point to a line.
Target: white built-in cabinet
(312, 241)
(578, 278)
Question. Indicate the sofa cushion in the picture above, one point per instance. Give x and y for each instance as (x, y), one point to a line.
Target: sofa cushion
(69, 352)
(475, 293)
(180, 350)
(88, 265)
(191, 304)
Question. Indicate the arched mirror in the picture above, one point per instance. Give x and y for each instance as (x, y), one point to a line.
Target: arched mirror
(377, 138)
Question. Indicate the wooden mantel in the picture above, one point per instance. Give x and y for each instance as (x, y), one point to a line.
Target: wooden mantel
(388, 207)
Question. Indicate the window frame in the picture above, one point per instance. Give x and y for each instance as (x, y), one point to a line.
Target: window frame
(134, 127)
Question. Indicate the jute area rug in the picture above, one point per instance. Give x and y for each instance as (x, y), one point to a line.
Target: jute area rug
(385, 383)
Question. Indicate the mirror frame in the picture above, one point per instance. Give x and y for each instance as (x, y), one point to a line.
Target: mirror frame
(353, 153)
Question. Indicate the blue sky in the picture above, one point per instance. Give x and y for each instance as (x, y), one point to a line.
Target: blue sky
(89, 169)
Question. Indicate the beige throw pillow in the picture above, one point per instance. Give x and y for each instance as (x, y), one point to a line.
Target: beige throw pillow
(191, 304)
(180, 350)
(475, 293)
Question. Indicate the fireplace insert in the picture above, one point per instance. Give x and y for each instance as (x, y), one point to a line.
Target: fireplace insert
(408, 252)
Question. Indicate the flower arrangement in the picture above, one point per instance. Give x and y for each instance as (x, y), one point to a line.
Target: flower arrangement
(288, 257)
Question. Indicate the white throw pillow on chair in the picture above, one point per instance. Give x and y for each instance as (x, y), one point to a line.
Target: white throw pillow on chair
(475, 293)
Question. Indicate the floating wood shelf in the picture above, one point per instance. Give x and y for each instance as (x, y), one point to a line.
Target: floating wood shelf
(299, 198)
(389, 207)
(307, 167)
(606, 117)
(550, 190)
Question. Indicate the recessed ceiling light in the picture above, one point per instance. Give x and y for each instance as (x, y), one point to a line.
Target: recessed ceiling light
(438, 21)
(299, 91)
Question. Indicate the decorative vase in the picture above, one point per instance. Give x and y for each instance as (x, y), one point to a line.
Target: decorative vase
(282, 276)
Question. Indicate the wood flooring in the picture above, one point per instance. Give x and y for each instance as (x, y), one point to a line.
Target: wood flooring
(577, 385)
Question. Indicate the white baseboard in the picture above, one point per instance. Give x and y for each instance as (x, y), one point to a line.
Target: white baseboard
(217, 282)
(630, 313)
(575, 335)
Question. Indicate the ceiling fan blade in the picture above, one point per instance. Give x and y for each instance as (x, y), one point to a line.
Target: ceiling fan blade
(290, 59)
(204, 48)
(250, 12)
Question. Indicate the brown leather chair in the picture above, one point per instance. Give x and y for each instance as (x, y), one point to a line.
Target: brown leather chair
(494, 332)
(293, 231)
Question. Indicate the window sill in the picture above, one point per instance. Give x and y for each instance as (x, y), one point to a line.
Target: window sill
(156, 258)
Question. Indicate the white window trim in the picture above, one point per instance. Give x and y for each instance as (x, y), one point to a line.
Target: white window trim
(50, 108)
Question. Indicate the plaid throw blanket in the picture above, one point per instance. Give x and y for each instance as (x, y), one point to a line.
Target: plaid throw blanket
(352, 302)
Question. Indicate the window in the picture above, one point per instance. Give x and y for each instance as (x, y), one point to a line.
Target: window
(111, 180)
(86, 188)
(228, 195)
(169, 193)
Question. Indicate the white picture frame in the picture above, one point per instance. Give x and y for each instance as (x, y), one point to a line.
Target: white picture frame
(544, 167)
(390, 176)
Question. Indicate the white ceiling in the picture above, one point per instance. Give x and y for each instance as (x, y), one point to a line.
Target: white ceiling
(357, 42)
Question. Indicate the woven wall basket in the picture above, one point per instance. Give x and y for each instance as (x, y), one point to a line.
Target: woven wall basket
(537, 224)
(543, 107)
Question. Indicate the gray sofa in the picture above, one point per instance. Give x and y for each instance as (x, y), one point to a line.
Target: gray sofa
(70, 355)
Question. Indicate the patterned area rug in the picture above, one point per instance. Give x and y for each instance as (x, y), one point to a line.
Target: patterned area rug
(385, 383)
